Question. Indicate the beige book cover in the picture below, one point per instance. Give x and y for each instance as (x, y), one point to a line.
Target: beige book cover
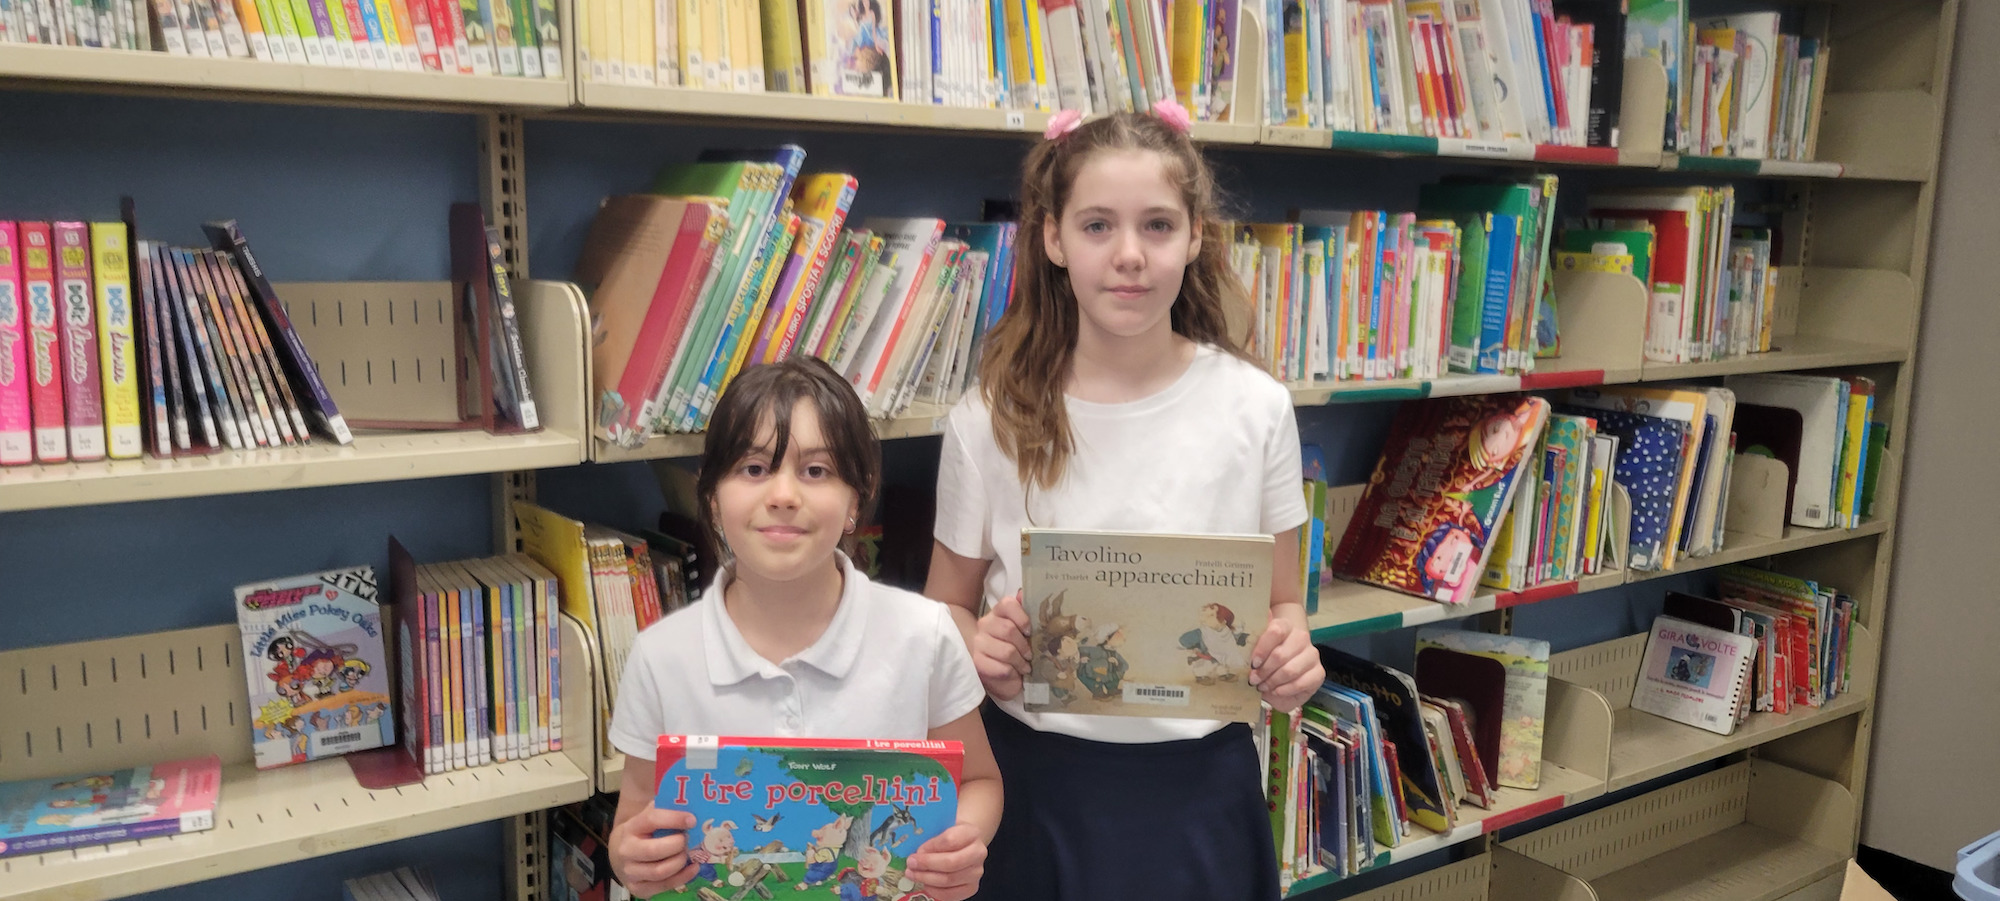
(1133, 624)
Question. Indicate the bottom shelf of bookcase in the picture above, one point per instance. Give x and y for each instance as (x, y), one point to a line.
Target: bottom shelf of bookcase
(1753, 831)
(277, 816)
(1560, 788)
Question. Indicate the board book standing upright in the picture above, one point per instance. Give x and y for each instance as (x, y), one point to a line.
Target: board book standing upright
(807, 818)
(318, 677)
(1133, 624)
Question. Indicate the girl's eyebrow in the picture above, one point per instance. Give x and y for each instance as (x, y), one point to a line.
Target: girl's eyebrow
(1149, 211)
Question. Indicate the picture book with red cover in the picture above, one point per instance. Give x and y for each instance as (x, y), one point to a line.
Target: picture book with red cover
(807, 818)
(1430, 512)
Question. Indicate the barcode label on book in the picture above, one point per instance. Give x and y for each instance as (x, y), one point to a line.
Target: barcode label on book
(1158, 695)
(333, 741)
(197, 820)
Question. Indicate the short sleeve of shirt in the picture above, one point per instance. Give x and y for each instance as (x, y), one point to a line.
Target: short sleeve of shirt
(638, 721)
(955, 688)
(1284, 475)
(962, 523)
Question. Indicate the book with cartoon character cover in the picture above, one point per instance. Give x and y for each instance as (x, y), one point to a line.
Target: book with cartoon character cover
(1428, 517)
(39, 815)
(816, 817)
(1138, 624)
(313, 655)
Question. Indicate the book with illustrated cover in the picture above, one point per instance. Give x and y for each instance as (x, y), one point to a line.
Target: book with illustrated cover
(1136, 624)
(1447, 475)
(1523, 704)
(319, 680)
(40, 815)
(807, 818)
(1694, 674)
(864, 49)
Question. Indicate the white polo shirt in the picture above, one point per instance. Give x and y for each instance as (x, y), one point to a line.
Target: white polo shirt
(890, 665)
(1216, 452)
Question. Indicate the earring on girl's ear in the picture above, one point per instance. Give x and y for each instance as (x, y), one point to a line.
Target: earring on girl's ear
(850, 527)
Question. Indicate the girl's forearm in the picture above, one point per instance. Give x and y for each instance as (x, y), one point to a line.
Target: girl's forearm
(979, 803)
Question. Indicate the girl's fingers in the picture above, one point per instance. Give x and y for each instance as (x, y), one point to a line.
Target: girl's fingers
(1273, 638)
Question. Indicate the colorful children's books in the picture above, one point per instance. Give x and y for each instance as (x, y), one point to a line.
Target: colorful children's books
(319, 680)
(1694, 674)
(40, 815)
(1522, 707)
(1132, 624)
(807, 818)
(1446, 477)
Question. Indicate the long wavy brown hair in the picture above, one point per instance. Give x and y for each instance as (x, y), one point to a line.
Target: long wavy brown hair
(1026, 363)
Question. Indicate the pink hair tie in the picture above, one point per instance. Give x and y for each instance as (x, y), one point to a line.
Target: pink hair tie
(1175, 115)
(1062, 123)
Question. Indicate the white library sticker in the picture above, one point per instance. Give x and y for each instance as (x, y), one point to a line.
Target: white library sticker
(1035, 693)
(1017, 120)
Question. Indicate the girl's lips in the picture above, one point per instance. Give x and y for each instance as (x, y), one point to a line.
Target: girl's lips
(781, 533)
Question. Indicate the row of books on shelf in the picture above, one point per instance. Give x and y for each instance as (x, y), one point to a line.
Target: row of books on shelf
(400, 884)
(111, 347)
(1749, 84)
(615, 584)
(1713, 283)
(472, 37)
(1478, 70)
(737, 260)
(115, 347)
(1377, 753)
(1510, 491)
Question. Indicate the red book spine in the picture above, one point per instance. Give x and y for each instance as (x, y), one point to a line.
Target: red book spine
(83, 395)
(45, 387)
(673, 304)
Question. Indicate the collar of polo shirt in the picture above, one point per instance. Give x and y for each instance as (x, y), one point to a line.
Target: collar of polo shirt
(833, 654)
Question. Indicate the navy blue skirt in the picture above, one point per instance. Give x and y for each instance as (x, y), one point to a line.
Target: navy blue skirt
(1097, 820)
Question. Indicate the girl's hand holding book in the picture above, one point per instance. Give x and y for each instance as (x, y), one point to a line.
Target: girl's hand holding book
(950, 864)
(1000, 648)
(648, 865)
(1286, 666)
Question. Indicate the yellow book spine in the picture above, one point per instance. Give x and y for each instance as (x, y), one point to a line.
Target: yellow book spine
(118, 359)
(597, 42)
(392, 36)
(635, 41)
(454, 679)
(784, 58)
(762, 302)
(1045, 78)
(743, 41)
(1184, 46)
(694, 56)
(820, 63)
(715, 43)
(1850, 459)
(666, 44)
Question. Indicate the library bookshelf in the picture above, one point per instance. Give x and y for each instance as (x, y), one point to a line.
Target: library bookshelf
(1778, 817)
(127, 701)
(368, 357)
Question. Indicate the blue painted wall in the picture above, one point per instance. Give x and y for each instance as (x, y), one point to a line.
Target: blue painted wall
(332, 194)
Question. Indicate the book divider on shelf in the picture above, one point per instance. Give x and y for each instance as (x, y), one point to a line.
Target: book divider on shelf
(1755, 829)
(369, 340)
(120, 702)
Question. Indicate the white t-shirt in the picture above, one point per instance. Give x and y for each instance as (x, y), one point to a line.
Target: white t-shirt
(891, 665)
(1216, 452)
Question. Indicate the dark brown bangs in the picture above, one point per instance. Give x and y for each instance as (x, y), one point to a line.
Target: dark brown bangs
(775, 389)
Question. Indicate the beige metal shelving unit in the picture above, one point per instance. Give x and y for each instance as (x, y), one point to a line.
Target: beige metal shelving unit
(122, 702)
(1786, 817)
(362, 356)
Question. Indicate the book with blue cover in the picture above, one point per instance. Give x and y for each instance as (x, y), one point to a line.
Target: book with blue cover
(807, 818)
(1649, 460)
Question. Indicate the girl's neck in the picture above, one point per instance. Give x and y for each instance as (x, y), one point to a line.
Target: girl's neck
(780, 619)
(1111, 370)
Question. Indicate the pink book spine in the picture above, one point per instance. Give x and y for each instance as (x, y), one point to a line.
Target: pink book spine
(17, 444)
(83, 395)
(45, 385)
